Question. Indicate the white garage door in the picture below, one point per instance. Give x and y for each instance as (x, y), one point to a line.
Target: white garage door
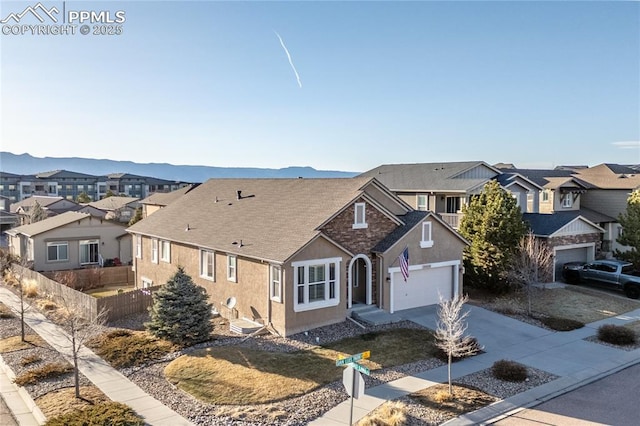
(580, 254)
(422, 288)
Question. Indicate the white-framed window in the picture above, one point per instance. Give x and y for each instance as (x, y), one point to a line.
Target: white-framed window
(146, 282)
(426, 241)
(545, 196)
(154, 250)
(516, 196)
(316, 284)
(567, 201)
(139, 246)
(620, 231)
(359, 216)
(165, 251)
(275, 283)
(422, 202)
(89, 251)
(58, 251)
(207, 264)
(232, 268)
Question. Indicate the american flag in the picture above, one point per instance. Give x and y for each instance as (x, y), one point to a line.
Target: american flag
(404, 263)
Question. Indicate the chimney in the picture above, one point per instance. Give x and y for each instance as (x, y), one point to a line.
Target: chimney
(239, 194)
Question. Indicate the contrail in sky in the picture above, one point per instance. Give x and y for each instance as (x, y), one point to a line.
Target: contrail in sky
(290, 61)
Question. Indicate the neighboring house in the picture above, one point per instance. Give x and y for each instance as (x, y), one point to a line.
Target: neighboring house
(445, 187)
(610, 187)
(70, 240)
(117, 208)
(51, 205)
(571, 236)
(296, 254)
(159, 200)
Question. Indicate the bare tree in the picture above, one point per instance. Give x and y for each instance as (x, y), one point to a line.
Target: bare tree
(531, 264)
(23, 290)
(80, 330)
(450, 332)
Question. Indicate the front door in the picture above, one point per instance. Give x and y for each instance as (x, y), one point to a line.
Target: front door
(359, 281)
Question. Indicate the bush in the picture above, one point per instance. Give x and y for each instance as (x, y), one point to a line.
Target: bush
(47, 371)
(510, 371)
(616, 334)
(30, 359)
(103, 414)
(561, 324)
(123, 348)
(5, 312)
(388, 414)
(30, 290)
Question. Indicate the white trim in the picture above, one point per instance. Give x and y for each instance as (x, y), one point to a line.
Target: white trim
(57, 244)
(154, 250)
(426, 202)
(213, 264)
(146, 282)
(138, 246)
(396, 269)
(272, 282)
(232, 277)
(360, 220)
(165, 255)
(427, 239)
(367, 262)
(308, 306)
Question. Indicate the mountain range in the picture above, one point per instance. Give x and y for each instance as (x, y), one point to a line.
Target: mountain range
(25, 164)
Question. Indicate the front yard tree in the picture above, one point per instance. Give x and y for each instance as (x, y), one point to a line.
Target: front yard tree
(180, 312)
(137, 217)
(450, 332)
(630, 221)
(531, 264)
(493, 225)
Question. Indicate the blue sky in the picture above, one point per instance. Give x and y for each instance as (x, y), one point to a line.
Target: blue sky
(537, 84)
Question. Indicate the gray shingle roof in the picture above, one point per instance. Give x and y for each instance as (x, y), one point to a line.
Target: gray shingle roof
(410, 220)
(48, 224)
(113, 203)
(273, 219)
(545, 224)
(166, 198)
(426, 176)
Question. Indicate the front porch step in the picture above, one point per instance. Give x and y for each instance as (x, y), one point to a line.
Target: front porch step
(244, 326)
(372, 315)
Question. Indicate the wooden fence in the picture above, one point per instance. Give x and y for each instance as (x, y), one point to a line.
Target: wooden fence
(90, 278)
(117, 306)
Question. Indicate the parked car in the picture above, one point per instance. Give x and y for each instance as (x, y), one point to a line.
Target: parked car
(612, 273)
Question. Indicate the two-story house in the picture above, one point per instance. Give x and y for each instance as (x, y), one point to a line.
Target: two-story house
(117, 208)
(444, 188)
(295, 254)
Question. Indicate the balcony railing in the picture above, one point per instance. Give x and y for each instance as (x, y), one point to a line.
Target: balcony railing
(452, 219)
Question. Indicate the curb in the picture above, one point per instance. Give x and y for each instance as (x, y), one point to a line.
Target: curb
(24, 395)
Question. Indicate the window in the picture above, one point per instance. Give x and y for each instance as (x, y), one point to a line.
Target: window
(146, 282)
(453, 204)
(165, 251)
(423, 202)
(154, 250)
(516, 196)
(567, 201)
(206, 264)
(57, 251)
(89, 251)
(232, 270)
(359, 217)
(545, 196)
(619, 231)
(276, 283)
(139, 246)
(316, 283)
(426, 241)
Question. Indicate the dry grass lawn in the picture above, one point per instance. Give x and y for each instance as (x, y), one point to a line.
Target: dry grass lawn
(236, 375)
(15, 343)
(64, 401)
(578, 303)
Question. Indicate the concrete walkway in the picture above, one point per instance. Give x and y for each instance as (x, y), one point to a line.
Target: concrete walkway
(575, 361)
(110, 381)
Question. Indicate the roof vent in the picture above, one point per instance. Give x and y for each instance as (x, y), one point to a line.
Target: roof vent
(187, 228)
(239, 194)
(216, 199)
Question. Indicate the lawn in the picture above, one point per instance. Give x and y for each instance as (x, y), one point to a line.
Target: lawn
(237, 375)
(577, 303)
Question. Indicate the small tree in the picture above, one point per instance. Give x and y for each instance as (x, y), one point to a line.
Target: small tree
(450, 332)
(136, 217)
(180, 312)
(37, 213)
(83, 197)
(493, 225)
(630, 221)
(109, 193)
(531, 264)
(22, 293)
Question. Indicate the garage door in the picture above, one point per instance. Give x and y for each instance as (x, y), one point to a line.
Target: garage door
(580, 254)
(422, 288)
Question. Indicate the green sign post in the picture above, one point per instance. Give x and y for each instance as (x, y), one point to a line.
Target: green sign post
(352, 380)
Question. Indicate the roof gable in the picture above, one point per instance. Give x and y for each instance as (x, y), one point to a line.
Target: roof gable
(49, 224)
(560, 223)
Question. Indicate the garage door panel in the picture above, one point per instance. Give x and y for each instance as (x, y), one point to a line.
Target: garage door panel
(580, 254)
(423, 287)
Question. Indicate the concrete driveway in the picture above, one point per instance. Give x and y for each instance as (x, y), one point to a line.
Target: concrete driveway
(612, 400)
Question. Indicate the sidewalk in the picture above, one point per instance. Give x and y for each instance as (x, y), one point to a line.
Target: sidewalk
(110, 381)
(575, 361)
